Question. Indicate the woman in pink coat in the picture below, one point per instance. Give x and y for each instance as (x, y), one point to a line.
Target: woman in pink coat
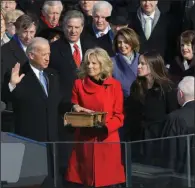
(98, 163)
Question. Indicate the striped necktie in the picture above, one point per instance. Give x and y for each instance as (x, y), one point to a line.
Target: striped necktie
(43, 81)
(77, 55)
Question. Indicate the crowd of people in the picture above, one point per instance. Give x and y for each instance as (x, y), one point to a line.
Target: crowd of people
(134, 60)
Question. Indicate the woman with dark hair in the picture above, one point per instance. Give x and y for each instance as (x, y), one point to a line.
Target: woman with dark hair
(184, 62)
(126, 46)
(125, 62)
(152, 97)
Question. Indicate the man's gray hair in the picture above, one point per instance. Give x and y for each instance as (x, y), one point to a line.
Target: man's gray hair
(48, 4)
(73, 14)
(101, 5)
(186, 85)
(35, 43)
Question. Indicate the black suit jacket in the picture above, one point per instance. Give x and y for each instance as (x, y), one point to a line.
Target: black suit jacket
(30, 7)
(177, 70)
(62, 61)
(162, 37)
(36, 115)
(104, 42)
(174, 150)
(189, 20)
(181, 121)
(11, 53)
(145, 119)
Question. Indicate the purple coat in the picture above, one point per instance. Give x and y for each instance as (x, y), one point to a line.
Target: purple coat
(124, 72)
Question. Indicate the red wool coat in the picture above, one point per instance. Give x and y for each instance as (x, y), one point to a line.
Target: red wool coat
(98, 163)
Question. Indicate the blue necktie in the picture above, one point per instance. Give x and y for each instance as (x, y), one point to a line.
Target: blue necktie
(43, 81)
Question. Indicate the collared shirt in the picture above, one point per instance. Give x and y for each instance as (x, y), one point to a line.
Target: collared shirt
(146, 17)
(18, 41)
(35, 70)
(185, 64)
(23, 47)
(99, 33)
(129, 59)
(187, 102)
(79, 45)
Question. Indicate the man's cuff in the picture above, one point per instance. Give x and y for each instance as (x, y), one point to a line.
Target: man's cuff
(11, 87)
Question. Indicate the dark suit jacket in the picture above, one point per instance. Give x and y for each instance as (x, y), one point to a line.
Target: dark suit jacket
(179, 122)
(162, 32)
(189, 21)
(144, 119)
(11, 53)
(36, 115)
(177, 70)
(169, 6)
(104, 42)
(46, 32)
(62, 61)
(30, 7)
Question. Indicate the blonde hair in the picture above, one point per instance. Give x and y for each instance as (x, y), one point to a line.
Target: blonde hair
(103, 59)
(12, 16)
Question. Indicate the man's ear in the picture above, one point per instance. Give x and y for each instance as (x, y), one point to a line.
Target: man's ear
(181, 93)
(82, 28)
(30, 56)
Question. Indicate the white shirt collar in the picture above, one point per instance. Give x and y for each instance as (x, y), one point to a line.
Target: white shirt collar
(35, 70)
(23, 46)
(98, 33)
(146, 16)
(187, 102)
(78, 44)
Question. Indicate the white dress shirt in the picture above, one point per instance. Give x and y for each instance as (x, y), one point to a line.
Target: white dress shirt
(23, 47)
(186, 66)
(187, 102)
(36, 71)
(79, 45)
(99, 33)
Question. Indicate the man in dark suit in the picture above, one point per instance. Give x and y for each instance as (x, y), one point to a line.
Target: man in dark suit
(117, 20)
(34, 92)
(15, 50)
(68, 52)
(151, 25)
(49, 18)
(100, 26)
(181, 122)
(66, 56)
(35, 104)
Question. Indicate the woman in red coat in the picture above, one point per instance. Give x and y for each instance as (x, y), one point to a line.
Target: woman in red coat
(97, 163)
